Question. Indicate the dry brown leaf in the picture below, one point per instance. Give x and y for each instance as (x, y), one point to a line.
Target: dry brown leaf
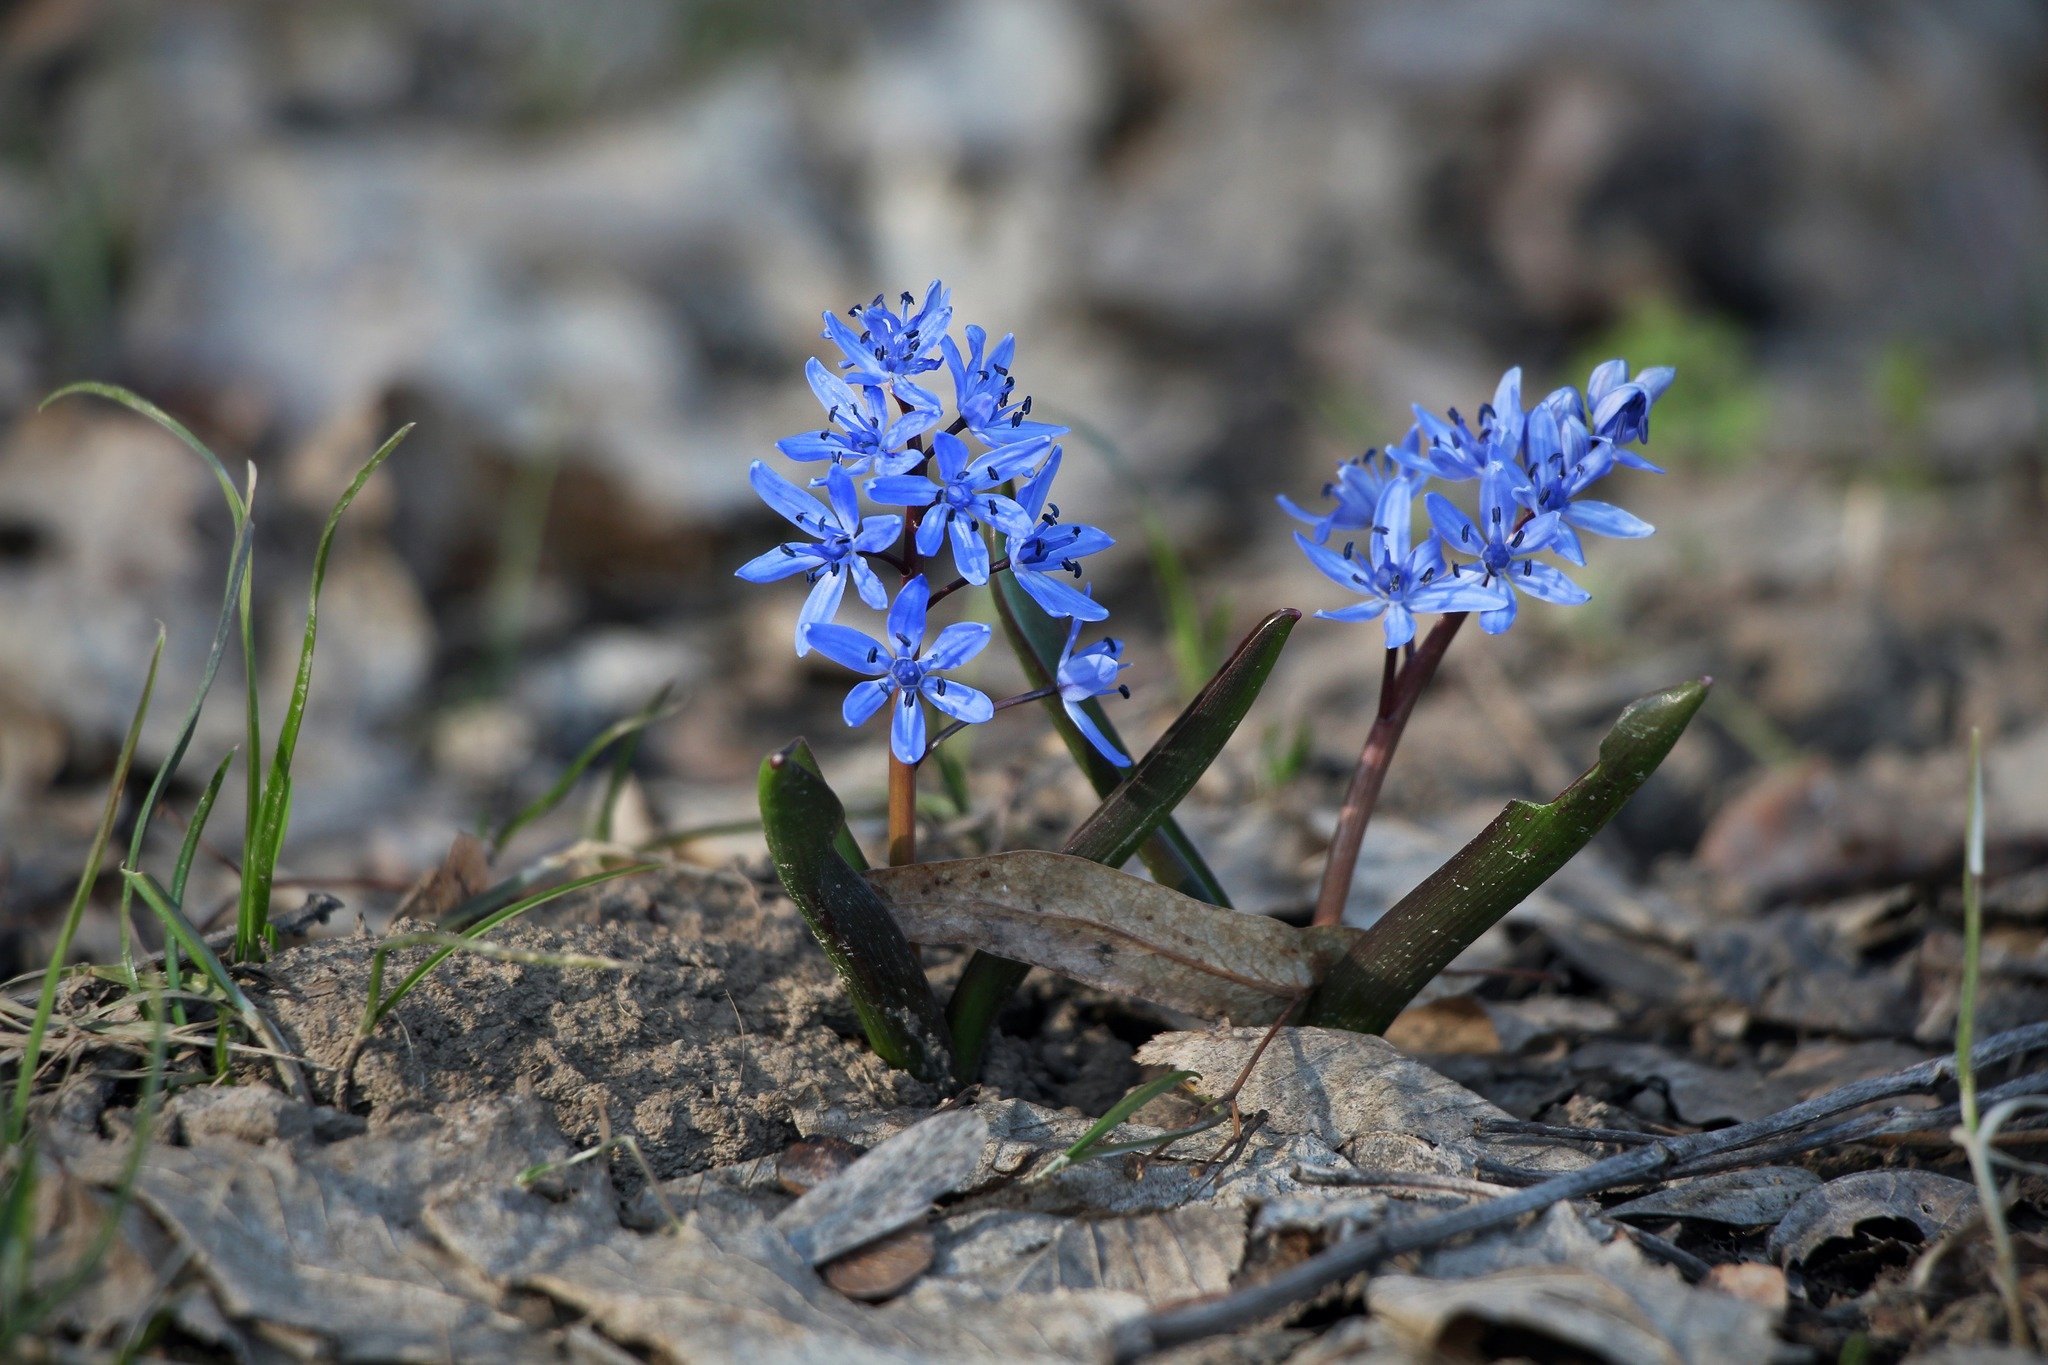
(889, 1187)
(464, 872)
(1115, 931)
(1454, 1024)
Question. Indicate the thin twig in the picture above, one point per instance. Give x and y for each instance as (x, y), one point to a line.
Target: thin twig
(1658, 1161)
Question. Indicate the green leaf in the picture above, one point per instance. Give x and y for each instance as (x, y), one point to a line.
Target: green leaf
(1169, 855)
(380, 1003)
(1132, 812)
(658, 708)
(803, 820)
(1091, 1141)
(46, 1001)
(842, 838)
(1497, 871)
(1145, 801)
(259, 860)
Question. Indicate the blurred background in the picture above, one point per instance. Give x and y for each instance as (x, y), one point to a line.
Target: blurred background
(585, 247)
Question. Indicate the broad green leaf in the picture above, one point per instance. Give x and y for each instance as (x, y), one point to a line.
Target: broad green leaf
(1145, 801)
(803, 821)
(1497, 871)
(1169, 855)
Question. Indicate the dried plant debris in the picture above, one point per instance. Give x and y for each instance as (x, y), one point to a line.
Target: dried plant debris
(1755, 1198)
(886, 1189)
(1162, 1257)
(1358, 1094)
(1842, 1234)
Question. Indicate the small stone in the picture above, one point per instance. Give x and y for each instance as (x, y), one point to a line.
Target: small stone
(805, 1164)
(884, 1267)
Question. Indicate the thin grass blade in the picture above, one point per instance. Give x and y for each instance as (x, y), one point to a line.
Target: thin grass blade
(898, 1012)
(1130, 1104)
(46, 1001)
(259, 860)
(222, 631)
(660, 708)
(1497, 871)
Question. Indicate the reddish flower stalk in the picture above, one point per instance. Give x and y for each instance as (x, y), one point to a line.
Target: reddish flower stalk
(1401, 685)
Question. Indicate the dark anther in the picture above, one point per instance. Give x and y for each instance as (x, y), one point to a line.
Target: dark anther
(826, 436)
(1496, 516)
(910, 337)
(1329, 490)
(877, 303)
(788, 551)
(1349, 546)
(1017, 418)
(1528, 567)
(1515, 541)
(874, 654)
(1027, 404)
(1379, 530)
(908, 298)
(1124, 690)
(1465, 534)
(1428, 574)
(940, 687)
(1052, 512)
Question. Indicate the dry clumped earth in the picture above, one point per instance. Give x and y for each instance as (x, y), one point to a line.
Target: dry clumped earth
(390, 1222)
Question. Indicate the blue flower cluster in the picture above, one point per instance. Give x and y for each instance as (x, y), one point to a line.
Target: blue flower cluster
(1532, 467)
(883, 426)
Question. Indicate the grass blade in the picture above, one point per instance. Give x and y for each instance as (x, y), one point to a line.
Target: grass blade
(659, 708)
(1091, 1141)
(259, 859)
(136, 403)
(182, 871)
(223, 628)
(483, 926)
(177, 927)
(898, 1012)
(1169, 855)
(1497, 871)
(377, 1005)
(46, 1001)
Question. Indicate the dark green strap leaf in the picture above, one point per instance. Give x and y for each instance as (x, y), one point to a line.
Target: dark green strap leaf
(1497, 871)
(803, 820)
(1169, 855)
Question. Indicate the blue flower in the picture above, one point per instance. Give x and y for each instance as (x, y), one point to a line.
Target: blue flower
(1090, 672)
(842, 536)
(899, 669)
(962, 497)
(1050, 548)
(1357, 490)
(1621, 406)
(1505, 544)
(869, 441)
(888, 348)
(1562, 464)
(982, 387)
(1457, 452)
(1395, 580)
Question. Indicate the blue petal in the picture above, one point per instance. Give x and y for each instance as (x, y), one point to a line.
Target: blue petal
(1033, 495)
(845, 501)
(811, 445)
(956, 645)
(1453, 525)
(1655, 380)
(921, 400)
(779, 564)
(903, 490)
(867, 583)
(1463, 593)
(1605, 377)
(1007, 462)
(1093, 733)
(877, 533)
(1057, 597)
(1368, 610)
(906, 729)
(1400, 625)
(1541, 580)
(865, 699)
(1497, 621)
(950, 454)
(820, 606)
(906, 613)
(958, 700)
(1345, 573)
(831, 390)
(797, 507)
(1005, 433)
(850, 648)
(1396, 504)
(931, 532)
(970, 553)
(1605, 519)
